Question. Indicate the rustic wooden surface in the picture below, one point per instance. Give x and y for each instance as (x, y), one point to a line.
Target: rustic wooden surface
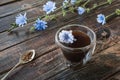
(49, 62)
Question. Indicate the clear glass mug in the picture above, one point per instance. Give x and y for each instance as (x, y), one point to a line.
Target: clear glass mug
(79, 55)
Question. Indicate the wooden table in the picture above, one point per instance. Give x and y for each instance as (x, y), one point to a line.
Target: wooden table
(49, 61)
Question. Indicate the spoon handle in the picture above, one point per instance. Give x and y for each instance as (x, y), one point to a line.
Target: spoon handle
(10, 71)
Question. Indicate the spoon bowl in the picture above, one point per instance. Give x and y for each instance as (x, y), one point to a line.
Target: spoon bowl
(27, 56)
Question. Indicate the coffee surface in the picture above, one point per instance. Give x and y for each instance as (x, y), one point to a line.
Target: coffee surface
(82, 39)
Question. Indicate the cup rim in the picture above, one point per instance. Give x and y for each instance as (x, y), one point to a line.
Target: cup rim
(88, 46)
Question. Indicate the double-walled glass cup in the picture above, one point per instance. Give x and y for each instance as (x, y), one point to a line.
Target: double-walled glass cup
(79, 55)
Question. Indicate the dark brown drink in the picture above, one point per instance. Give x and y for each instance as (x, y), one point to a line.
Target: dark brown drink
(82, 40)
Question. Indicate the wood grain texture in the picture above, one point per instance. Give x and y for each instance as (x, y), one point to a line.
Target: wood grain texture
(5, 24)
(33, 8)
(6, 42)
(40, 44)
(5, 2)
(17, 48)
(47, 66)
(17, 7)
(103, 66)
(41, 68)
(49, 62)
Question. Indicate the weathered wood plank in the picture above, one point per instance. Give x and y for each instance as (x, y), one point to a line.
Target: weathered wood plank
(7, 41)
(101, 65)
(33, 9)
(4, 27)
(53, 63)
(70, 71)
(113, 49)
(41, 44)
(22, 36)
(4, 2)
(16, 7)
(115, 77)
(38, 41)
(7, 21)
(18, 48)
(42, 68)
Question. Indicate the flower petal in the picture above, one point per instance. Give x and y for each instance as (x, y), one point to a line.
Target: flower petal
(49, 7)
(40, 25)
(66, 37)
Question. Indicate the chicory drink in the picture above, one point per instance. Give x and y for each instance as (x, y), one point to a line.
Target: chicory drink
(81, 40)
(77, 43)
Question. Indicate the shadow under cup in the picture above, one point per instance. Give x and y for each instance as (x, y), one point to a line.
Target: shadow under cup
(80, 54)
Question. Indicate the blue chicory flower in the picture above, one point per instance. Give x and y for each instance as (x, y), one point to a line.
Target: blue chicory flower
(40, 24)
(81, 10)
(66, 37)
(73, 2)
(21, 20)
(49, 7)
(101, 19)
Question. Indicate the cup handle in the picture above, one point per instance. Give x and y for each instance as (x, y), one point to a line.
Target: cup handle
(89, 54)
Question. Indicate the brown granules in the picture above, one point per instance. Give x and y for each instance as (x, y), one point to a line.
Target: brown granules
(27, 56)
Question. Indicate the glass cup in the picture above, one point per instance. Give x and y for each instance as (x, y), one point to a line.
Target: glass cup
(78, 55)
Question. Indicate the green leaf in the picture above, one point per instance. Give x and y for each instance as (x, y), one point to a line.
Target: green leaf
(117, 11)
(32, 29)
(63, 12)
(84, 5)
(109, 1)
(51, 17)
(95, 5)
(71, 9)
(13, 26)
(88, 10)
(78, 2)
(47, 17)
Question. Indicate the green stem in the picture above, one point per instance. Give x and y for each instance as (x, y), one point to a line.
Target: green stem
(86, 3)
(60, 8)
(32, 29)
(112, 14)
(102, 4)
(78, 2)
(13, 27)
(75, 8)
